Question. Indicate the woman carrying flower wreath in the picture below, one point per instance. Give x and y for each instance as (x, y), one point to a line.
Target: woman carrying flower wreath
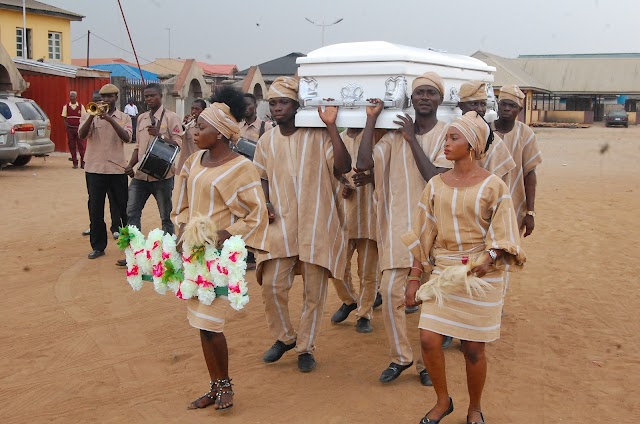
(465, 217)
(220, 184)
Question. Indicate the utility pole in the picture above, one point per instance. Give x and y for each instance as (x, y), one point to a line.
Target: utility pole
(25, 41)
(169, 30)
(88, 38)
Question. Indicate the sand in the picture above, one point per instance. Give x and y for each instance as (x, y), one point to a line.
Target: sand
(79, 346)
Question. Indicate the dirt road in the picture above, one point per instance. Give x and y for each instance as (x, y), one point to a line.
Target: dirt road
(79, 346)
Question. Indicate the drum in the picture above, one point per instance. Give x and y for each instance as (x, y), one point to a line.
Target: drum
(158, 159)
(245, 147)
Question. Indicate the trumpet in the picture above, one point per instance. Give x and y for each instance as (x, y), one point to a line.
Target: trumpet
(97, 108)
(188, 122)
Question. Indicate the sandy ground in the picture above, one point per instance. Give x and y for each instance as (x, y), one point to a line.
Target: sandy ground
(79, 346)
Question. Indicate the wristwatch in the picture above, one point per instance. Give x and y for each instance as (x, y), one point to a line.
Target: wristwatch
(531, 213)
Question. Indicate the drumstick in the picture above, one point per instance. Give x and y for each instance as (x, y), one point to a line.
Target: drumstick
(116, 163)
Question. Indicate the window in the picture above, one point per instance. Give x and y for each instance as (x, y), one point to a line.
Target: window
(20, 43)
(5, 111)
(55, 45)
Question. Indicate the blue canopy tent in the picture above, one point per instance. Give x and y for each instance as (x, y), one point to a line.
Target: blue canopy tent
(127, 71)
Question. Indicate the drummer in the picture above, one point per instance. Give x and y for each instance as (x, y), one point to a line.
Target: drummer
(252, 127)
(160, 122)
(188, 145)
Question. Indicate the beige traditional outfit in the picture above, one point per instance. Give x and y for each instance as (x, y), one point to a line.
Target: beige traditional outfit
(231, 195)
(456, 223)
(498, 159)
(188, 148)
(398, 187)
(523, 146)
(309, 228)
(361, 228)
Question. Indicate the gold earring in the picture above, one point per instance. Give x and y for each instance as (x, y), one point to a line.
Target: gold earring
(471, 154)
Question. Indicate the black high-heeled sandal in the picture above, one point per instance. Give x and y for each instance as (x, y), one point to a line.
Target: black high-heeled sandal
(211, 394)
(224, 388)
(426, 420)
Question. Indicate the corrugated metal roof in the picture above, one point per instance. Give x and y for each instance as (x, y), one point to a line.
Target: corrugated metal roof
(285, 65)
(60, 69)
(580, 74)
(127, 71)
(40, 8)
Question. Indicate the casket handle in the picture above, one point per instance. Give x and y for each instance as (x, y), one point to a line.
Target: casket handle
(349, 105)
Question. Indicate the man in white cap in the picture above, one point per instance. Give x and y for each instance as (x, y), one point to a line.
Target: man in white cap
(498, 160)
(106, 134)
(522, 143)
(402, 162)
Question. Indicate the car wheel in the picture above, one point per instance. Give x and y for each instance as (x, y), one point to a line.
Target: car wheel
(626, 125)
(22, 160)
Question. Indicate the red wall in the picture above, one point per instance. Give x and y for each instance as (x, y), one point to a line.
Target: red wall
(51, 92)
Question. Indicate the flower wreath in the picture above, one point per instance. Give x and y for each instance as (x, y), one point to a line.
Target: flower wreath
(202, 270)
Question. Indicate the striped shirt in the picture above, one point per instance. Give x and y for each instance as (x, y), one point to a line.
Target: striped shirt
(230, 194)
(498, 159)
(398, 187)
(306, 197)
(522, 144)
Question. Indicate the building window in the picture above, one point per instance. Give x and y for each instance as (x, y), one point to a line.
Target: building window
(55, 45)
(20, 43)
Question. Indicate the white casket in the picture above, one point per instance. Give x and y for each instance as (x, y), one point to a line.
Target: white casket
(351, 73)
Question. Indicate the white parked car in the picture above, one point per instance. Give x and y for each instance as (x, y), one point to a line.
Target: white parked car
(8, 147)
(29, 125)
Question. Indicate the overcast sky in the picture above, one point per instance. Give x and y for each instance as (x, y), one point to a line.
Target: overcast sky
(250, 32)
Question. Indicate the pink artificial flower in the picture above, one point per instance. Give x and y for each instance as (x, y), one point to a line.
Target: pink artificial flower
(203, 282)
(133, 271)
(222, 270)
(158, 270)
(148, 254)
(165, 255)
(155, 245)
(210, 264)
(234, 289)
(186, 259)
(179, 294)
(234, 257)
(138, 252)
(465, 259)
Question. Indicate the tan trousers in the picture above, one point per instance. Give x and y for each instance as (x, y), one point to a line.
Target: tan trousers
(392, 289)
(277, 279)
(368, 274)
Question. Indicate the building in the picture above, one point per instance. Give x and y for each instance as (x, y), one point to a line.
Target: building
(48, 31)
(576, 88)
(282, 66)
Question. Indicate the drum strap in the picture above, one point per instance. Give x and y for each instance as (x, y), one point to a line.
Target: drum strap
(158, 124)
(261, 129)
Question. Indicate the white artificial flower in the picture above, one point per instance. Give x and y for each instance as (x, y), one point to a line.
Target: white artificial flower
(188, 289)
(206, 295)
(238, 301)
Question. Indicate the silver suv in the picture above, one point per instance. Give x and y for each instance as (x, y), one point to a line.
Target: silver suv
(8, 149)
(30, 125)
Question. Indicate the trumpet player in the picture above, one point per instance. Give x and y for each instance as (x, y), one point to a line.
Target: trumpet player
(188, 145)
(106, 130)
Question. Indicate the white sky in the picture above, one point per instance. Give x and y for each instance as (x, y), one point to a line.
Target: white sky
(254, 31)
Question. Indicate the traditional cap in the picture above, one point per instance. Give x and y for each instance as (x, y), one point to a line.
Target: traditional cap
(219, 116)
(284, 87)
(109, 89)
(475, 130)
(513, 93)
(429, 78)
(472, 91)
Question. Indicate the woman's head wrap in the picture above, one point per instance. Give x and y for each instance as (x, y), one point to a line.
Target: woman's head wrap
(513, 93)
(284, 87)
(219, 116)
(475, 130)
(472, 91)
(429, 78)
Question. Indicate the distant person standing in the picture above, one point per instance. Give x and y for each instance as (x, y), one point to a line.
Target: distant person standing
(160, 122)
(105, 134)
(252, 127)
(71, 112)
(132, 110)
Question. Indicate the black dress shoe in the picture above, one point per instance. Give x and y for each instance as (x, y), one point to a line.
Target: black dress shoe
(425, 379)
(306, 362)
(378, 302)
(426, 420)
(476, 422)
(393, 371)
(363, 325)
(276, 351)
(343, 313)
(95, 254)
(121, 262)
(446, 342)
